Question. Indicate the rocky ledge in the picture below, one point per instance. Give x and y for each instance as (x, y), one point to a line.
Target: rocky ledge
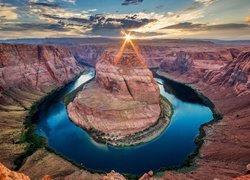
(122, 105)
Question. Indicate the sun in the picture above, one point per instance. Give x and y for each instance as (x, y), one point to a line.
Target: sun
(128, 37)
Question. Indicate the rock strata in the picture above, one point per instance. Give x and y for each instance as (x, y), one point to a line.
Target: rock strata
(123, 100)
(28, 73)
(235, 74)
(225, 152)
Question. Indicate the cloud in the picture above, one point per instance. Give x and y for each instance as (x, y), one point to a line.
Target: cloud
(131, 2)
(207, 27)
(92, 10)
(70, 1)
(8, 12)
(45, 4)
(192, 12)
(31, 26)
(56, 13)
(125, 21)
(248, 19)
(85, 21)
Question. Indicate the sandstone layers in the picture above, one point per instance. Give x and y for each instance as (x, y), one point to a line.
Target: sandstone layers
(27, 74)
(123, 100)
(225, 152)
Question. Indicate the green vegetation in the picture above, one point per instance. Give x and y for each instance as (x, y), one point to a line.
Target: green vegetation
(28, 136)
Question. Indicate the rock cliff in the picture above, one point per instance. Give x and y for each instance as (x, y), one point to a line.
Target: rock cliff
(235, 74)
(226, 141)
(123, 100)
(87, 54)
(182, 64)
(28, 73)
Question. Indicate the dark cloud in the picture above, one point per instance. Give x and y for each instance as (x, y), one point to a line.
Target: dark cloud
(185, 25)
(45, 4)
(101, 22)
(71, 19)
(159, 7)
(131, 2)
(206, 27)
(32, 26)
(228, 26)
(141, 34)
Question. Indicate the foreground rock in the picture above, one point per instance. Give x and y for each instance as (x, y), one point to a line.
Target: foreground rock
(113, 175)
(7, 174)
(124, 100)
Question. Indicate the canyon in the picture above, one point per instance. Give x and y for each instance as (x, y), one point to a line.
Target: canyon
(220, 72)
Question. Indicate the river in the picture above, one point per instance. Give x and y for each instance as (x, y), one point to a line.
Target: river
(169, 149)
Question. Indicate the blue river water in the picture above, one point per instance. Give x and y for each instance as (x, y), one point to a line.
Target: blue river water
(169, 149)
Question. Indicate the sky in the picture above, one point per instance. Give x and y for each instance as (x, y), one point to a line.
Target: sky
(144, 19)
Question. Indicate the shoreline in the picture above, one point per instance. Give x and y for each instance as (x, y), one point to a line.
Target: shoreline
(189, 164)
(142, 137)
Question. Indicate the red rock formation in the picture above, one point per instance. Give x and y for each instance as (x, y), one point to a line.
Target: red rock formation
(113, 176)
(235, 74)
(182, 64)
(35, 65)
(245, 177)
(28, 73)
(123, 99)
(88, 54)
(6, 174)
(225, 151)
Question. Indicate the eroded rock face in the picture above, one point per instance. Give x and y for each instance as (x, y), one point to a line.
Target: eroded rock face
(224, 154)
(122, 100)
(35, 65)
(183, 63)
(88, 54)
(236, 74)
(28, 73)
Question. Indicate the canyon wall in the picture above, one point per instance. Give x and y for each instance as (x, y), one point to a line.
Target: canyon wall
(204, 55)
(225, 152)
(28, 73)
(88, 54)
